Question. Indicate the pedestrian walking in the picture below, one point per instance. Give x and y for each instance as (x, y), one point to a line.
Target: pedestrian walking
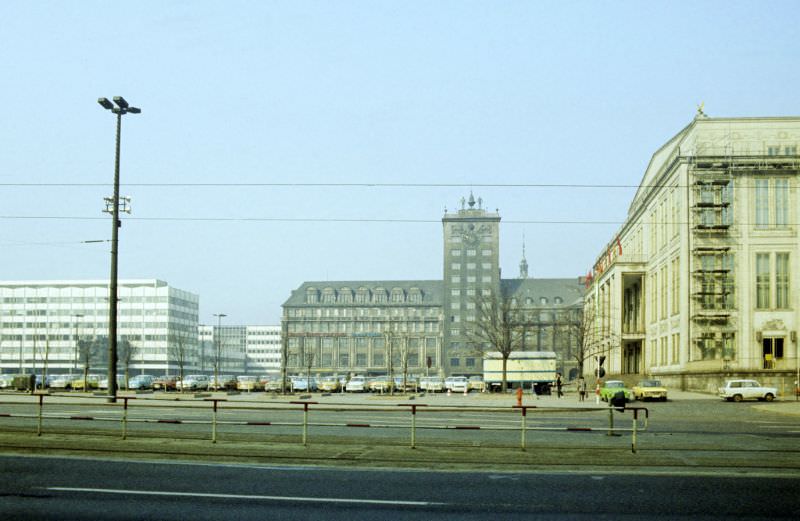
(558, 385)
(581, 389)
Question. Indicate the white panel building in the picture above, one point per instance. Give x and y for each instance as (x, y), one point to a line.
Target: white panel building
(43, 322)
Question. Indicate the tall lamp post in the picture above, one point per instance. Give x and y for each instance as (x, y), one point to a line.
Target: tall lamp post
(77, 317)
(120, 109)
(218, 347)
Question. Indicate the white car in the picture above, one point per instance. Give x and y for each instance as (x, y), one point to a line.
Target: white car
(193, 382)
(738, 390)
(459, 384)
(431, 384)
(357, 384)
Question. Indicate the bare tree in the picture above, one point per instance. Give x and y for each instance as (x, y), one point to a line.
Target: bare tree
(178, 350)
(127, 352)
(91, 350)
(498, 327)
(589, 337)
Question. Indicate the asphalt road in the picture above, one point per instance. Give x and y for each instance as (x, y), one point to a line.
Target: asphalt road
(72, 488)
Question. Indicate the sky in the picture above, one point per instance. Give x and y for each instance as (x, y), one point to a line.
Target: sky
(289, 141)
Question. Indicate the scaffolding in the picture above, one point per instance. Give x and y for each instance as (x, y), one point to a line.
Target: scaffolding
(712, 259)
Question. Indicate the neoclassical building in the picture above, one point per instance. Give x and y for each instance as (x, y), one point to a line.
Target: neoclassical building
(700, 282)
(425, 326)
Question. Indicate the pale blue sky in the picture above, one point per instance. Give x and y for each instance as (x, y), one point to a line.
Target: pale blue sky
(449, 93)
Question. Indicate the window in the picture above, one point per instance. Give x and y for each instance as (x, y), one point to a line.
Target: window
(782, 280)
(486, 265)
(455, 266)
(455, 362)
(486, 253)
(772, 207)
(790, 150)
(471, 253)
(470, 278)
(455, 279)
(762, 281)
(486, 278)
(455, 253)
(470, 362)
(455, 292)
(781, 192)
(455, 305)
(470, 265)
(762, 203)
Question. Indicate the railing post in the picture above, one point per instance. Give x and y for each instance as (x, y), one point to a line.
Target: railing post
(39, 423)
(610, 420)
(633, 437)
(413, 420)
(214, 424)
(305, 420)
(524, 424)
(125, 417)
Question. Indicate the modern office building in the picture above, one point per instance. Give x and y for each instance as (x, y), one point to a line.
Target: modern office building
(45, 324)
(427, 326)
(240, 349)
(700, 282)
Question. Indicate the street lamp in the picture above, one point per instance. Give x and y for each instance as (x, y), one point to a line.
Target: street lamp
(218, 347)
(77, 317)
(121, 109)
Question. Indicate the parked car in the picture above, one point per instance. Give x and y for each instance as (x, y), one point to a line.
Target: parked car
(59, 381)
(356, 384)
(448, 383)
(272, 383)
(92, 382)
(302, 384)
(738, 390)
(476, 383)
(329, 384)
(165, 383)
(249, 383)
(649, 390)
(223, 382)
(612, 387)
(379, 384)
(431, 384)
(193, 382)
(459, 384)
(141, 381)
(103, 382)
(7, 381)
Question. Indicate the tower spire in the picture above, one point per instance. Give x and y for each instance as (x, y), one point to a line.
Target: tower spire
(523, 264)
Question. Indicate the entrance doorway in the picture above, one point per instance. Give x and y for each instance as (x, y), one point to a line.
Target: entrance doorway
(631, 357)
(772, 350)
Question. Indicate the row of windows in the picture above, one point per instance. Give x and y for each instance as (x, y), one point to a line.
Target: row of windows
(362, 296)
(362, 312)
(470, 253)
(362, 327)
(471, 265)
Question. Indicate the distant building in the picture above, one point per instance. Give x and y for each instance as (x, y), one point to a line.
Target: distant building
(42, 323)
(242, 349)
(424, 325)
(700, 283)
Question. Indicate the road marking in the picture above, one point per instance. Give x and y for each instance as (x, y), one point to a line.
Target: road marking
(251, 497)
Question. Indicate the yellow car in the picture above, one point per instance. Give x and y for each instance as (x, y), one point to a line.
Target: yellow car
(649, 390)
(92, 382)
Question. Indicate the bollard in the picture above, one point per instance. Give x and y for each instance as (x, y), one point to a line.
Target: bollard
(610, 420)
(39, 423)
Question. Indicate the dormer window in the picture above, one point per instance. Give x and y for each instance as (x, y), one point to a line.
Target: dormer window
(312, 296)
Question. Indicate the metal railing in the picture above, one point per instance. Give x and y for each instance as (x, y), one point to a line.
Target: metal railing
(405, 413)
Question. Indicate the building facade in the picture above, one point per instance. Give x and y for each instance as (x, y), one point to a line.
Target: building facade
(43, 323)
(240, 349)
(426, 326)
(699, 284)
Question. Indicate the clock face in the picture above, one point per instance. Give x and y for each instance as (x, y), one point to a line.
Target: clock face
(471, 236)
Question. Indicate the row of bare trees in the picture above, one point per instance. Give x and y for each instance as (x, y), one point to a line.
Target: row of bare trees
(501, 323)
